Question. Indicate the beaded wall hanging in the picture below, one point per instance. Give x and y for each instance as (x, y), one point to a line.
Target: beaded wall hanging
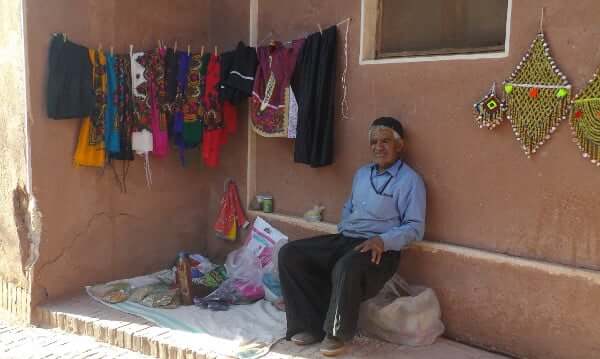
(585, 120)
(490, 111)
(537, 95)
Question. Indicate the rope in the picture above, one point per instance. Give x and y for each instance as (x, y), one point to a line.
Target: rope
(345, 106)
(148, 170)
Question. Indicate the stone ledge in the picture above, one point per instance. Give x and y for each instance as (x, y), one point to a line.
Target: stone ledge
(83, 316)
(517, 306)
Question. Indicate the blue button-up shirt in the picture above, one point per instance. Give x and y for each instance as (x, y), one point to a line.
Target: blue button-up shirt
(390, 204)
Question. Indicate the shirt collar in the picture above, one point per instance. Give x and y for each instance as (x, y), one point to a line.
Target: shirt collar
(392, 170)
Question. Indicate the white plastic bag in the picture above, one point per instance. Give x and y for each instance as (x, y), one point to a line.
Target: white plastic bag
(244, 283)
(397, 318)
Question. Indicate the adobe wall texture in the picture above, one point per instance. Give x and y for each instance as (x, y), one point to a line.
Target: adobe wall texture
(92, 232)
(482, 190)
(14, 239)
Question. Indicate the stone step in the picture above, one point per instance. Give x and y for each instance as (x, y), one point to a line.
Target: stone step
(83, 316)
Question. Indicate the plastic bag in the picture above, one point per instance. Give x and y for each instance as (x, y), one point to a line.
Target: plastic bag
(397, 318)
(271, 283)
(245, 279)
(262, 239)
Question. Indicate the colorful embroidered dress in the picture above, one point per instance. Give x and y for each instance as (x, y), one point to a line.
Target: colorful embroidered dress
(270, 97)
(139, 87)
(90, 146)
(124, 105)
(193, 109)
(214, 134)
(111, 129)
(157, 97)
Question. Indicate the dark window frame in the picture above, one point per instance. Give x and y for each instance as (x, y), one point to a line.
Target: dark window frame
(380, 54)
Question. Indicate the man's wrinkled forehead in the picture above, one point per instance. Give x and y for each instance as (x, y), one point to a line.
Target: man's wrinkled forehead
(381, 131)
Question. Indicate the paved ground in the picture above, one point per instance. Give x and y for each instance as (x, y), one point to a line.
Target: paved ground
(17, 342)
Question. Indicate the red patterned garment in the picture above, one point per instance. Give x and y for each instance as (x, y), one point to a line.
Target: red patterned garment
(231, 215)
(214, 133)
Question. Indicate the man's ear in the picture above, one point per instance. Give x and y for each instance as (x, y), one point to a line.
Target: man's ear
(400, 146)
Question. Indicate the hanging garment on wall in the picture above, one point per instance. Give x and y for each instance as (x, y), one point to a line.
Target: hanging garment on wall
(171, 71)
(237, 74)
(124, 104)
(292, 114)
(193, 109)
(214, 134)
(270, 96)
(314, 86)
(585, 119)
(157, 98)
(142, 143)
(111, 128)
(226, 63)
(183, 65)
(139, 87)
(537, 95)
(69, 92)
(90, 149)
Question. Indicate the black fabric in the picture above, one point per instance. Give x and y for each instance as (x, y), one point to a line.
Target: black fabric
(389, 122)
(313, 84)
(171, 75)
(226, 62)
(70, 93)
(324, 280)
(237, 73)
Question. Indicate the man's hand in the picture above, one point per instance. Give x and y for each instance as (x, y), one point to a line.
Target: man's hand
(375, 245)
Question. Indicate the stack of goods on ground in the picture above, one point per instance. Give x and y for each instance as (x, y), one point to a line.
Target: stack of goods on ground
(249, 274)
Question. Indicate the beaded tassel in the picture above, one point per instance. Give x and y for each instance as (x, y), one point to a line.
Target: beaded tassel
(585, 120)
(490, 111)
(537, 95)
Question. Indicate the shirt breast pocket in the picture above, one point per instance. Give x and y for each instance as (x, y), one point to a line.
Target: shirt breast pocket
(382, 207)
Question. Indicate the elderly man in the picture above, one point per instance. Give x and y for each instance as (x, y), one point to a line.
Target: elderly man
(324, 279)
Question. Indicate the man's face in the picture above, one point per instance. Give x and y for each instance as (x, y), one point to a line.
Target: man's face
(385, 148)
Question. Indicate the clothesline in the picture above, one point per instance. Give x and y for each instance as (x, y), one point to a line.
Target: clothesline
(162, 44)
(270, 34)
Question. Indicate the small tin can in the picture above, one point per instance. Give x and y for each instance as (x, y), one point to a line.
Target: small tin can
(267, 204)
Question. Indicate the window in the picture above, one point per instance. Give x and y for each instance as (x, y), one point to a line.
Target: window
(419, 30)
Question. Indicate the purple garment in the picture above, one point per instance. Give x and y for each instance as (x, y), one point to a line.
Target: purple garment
(275, 69)
(183, 66)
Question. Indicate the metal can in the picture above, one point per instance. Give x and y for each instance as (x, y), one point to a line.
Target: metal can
(267, 204)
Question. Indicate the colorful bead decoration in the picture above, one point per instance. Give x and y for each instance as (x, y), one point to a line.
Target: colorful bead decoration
(585, 120)
(490, 111)
(537, 96)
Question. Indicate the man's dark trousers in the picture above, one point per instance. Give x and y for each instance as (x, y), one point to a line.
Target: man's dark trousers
(324, 280)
